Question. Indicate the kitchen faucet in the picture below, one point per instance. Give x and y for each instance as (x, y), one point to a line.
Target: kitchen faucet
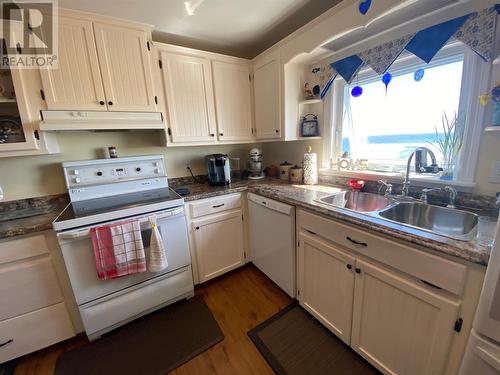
(450, 190)
(424, 197)
(388, 187)
(452, 200)
(406, 183)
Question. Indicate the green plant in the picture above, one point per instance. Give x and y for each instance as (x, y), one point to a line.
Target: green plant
(449, 141)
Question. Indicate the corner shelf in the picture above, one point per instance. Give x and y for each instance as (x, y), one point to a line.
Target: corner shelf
(310, 101)
(7, 100)
(492, 129)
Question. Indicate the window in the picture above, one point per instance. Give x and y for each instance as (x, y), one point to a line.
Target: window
(386, 127)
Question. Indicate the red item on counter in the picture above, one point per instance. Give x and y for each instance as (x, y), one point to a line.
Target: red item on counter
(356, 184)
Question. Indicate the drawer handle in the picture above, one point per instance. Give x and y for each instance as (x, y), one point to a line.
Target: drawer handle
(218, 205)
(6, 342)
(356, 242)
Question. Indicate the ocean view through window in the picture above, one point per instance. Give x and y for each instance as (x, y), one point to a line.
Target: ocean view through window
(386, 127)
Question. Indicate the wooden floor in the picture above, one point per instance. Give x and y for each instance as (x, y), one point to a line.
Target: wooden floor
(239, 301)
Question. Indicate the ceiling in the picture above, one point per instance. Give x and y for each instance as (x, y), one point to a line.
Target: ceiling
(237, 27)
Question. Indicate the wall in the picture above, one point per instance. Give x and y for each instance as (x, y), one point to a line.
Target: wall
(292, 152)
(489, 149)
(32, 176)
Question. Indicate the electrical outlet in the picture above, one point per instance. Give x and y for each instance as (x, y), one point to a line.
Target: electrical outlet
(495, 173)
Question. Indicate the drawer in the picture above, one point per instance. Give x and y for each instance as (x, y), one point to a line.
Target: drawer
(214, 205)
(12, 250)
(34, 331)
(433, 269)
(111, 311)
(28, 285)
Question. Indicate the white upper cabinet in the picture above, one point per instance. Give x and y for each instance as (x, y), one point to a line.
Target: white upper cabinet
(233, 101)
(102, 67)
(207, 96)
(124, 59)
(76, 84)
(189, 96)
(267, 96)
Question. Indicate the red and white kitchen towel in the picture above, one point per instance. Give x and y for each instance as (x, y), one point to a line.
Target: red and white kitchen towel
(118, 249)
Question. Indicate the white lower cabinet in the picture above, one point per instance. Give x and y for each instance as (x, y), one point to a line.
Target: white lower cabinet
(218, 243)
(326, 284)
(33, 310)
(398, 325)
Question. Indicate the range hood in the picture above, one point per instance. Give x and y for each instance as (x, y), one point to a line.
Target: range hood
(100, 120)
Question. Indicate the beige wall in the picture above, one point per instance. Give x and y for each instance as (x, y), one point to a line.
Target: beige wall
(489, 149)
(489, 152)
(32, 176)
(292, 152)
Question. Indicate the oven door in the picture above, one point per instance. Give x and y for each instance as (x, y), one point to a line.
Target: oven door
(79, 257)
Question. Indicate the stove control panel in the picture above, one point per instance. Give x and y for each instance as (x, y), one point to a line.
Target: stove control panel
(109, 171)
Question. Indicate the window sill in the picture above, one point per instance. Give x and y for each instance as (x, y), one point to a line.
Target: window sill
(417, 180)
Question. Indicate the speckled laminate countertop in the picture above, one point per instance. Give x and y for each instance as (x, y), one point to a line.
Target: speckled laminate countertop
(31, 215)
(36, 214)
(306, 197)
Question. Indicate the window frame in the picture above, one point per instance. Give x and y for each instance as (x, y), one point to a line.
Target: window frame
(475, 80)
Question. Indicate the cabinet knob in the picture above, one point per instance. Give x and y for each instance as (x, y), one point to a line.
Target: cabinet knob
(358, 270)
(102, 102)
(349, 266)
(212, 134)
(277, 131)
(110, 103)
(221, 134)
(197, 228)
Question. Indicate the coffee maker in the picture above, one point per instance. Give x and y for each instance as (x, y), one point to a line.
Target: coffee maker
(219, 170)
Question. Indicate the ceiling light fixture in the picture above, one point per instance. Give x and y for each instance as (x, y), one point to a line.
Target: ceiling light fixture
(189, 10)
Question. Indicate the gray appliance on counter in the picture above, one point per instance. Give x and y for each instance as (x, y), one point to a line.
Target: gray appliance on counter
(219, 170)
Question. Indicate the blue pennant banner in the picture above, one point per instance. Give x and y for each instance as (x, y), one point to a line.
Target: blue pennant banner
(381, 57)
(476, 30)
(426, 43)
(348, 67)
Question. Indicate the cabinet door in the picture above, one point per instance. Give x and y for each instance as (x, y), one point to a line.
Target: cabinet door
(232, 101)
(325, 283)
(267, 97)
(218, 244)
(190, 100)
(76, 84)
(398, 325)
(125, 65)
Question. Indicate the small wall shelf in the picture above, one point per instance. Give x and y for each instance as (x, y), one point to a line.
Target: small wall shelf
(492, 129)
(310, 101)
(7, 100)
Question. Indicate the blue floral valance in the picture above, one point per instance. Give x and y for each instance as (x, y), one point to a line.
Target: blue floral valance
(476, 30)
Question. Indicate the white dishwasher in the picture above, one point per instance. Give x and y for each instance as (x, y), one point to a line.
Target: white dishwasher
(272, 240)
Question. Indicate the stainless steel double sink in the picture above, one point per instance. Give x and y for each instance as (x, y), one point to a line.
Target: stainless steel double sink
(449, 222)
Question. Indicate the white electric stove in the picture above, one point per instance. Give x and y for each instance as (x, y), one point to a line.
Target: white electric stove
(111, 190)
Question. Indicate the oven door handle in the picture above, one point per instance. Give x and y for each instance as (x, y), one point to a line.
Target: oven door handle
(71, 235)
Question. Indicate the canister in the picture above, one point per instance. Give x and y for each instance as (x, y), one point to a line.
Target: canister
(296, 174)
(285, 171)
